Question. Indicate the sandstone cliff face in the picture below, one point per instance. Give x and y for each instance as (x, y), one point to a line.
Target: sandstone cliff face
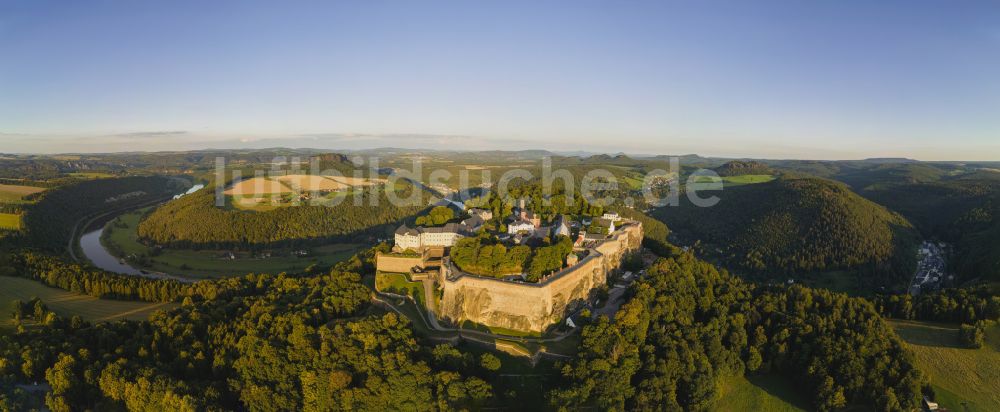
(534, 307)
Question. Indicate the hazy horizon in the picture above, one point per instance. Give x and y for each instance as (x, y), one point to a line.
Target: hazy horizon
(774, 79)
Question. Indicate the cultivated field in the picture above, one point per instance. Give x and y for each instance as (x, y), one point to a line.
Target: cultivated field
(257, 186)
(65, 303)
(963, 379)
(289, 183)
(311, 183)
(354, 181)
(10, 221)
(16, 193)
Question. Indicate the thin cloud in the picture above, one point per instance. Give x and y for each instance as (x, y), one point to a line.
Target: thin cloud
(158, 133)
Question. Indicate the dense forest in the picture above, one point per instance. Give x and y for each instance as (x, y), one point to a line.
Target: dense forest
(796, 225)
(194, 221)
(963, 212)
(286, 343)
(49, 222)
(955, 305)
(688, 325)
(313, 343)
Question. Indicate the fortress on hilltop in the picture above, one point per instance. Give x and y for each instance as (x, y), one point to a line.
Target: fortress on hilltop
(509, 303)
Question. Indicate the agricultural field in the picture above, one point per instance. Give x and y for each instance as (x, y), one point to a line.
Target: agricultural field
(311, 183)
(963, 379)
(759, 393)
(65, 303)
(10, 221)
(257, 186)
(121, 238)
(16, 193)
(261, 194)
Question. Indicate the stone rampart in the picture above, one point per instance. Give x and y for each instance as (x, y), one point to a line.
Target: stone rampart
(533, 306)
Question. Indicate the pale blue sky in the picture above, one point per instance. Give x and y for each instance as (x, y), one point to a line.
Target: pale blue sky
(789, 79)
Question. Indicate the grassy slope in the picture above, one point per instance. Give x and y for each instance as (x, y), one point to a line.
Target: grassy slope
(15, 194)
(398, 283)
(969, 377)
(758, 393)
(67, 303)
(208, 263)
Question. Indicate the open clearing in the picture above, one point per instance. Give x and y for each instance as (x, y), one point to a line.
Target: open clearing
(16, 193)
(10, 221)
(963, 379)
(123, 238)
(65, 303)
(758, 393)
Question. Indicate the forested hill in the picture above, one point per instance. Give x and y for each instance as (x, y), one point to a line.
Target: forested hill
(965, 212)
(195, 221)
(50, 222)
(798, 225)
(689, 325)
(743, 167)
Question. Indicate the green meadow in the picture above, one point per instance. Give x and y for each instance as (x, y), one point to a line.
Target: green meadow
(759, 393)
(67, 304)
(963, 379)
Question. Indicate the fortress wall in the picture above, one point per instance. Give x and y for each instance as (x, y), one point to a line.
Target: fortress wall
(397, 264)
(533, 307)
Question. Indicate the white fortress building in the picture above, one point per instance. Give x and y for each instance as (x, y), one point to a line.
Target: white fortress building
(417, 238)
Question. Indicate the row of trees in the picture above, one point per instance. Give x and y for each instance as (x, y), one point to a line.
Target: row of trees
(49, 222)
(957, 305)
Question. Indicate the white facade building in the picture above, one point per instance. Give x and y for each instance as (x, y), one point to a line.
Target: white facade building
(521, 226)
(421, 237)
